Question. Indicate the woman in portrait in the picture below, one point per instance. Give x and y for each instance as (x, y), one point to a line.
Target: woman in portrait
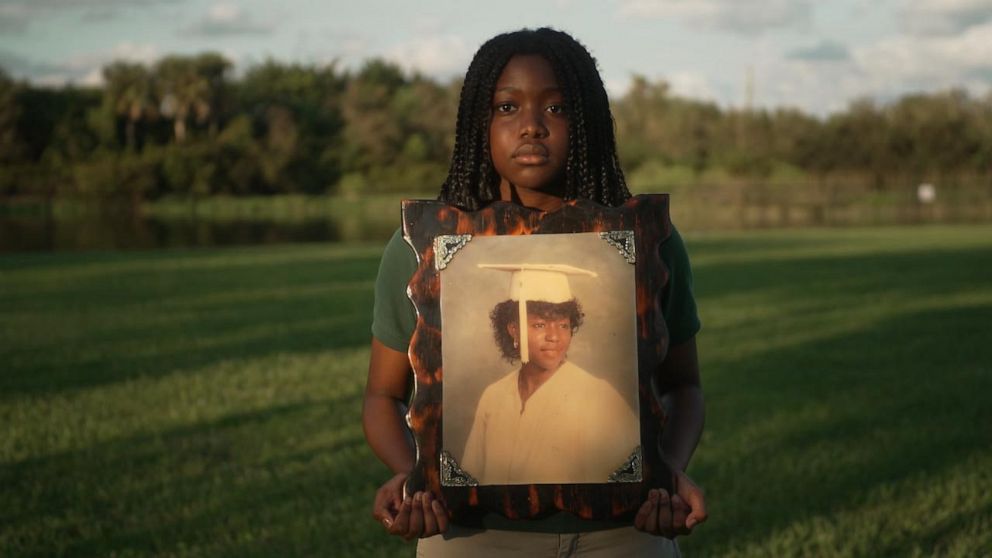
(547, 420)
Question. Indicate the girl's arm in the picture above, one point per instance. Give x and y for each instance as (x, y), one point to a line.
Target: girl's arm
(384, 408)
(681, 395)
(383, 411)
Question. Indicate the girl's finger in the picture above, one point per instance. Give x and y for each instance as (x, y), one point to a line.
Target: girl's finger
(441, 515)
(698, 513)
(401, 522)
(664, 516)
(640, 520)
(430, 521)
(679, 512)
(415, 528)
(381, 509)
(651, 520)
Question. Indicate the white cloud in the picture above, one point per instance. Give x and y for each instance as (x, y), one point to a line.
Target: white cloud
(435, 55)
(884, 70)
(321, 46)
(81, 69)
(354, 46)
(228, 19)
(740, 16)
(616, 87)
(17, 15)
(812, 86)
(143, 53)
(925, 62)
(943, 17)
(92, 79)
(691, 84)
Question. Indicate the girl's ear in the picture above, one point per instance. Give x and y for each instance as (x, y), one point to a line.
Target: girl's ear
(512, 329)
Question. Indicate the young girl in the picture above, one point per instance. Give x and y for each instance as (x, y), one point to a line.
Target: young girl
(534, 128)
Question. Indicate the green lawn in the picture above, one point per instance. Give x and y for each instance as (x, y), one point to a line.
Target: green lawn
(206, 403)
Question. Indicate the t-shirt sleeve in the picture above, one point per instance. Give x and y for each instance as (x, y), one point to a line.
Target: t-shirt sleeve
(678, 304)
(393, 314)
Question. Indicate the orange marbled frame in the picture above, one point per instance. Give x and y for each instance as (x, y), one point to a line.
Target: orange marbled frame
(423, 223)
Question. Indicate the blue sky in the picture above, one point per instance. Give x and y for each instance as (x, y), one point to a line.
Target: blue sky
(816, 56)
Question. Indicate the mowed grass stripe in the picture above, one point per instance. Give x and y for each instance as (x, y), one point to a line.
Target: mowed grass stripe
(207, 402)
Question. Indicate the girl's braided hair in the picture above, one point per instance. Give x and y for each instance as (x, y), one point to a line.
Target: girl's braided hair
(592, 168)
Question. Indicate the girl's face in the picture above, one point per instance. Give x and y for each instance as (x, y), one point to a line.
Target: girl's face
(528, 133)
(547, 340)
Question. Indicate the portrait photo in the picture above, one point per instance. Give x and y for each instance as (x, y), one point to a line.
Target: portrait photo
(555, 402)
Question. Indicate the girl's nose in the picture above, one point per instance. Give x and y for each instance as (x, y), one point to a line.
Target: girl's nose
(533, 124)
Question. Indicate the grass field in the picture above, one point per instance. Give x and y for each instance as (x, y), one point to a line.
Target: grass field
(206, 403)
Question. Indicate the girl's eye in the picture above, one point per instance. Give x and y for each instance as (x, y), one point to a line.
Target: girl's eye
(556, 109)
(504, 107)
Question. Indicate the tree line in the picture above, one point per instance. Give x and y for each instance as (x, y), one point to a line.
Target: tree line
(187, 126)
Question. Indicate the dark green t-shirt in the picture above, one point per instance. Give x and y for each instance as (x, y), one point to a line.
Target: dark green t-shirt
(393, 317)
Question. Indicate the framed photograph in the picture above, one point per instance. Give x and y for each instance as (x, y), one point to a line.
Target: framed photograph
(535, 356)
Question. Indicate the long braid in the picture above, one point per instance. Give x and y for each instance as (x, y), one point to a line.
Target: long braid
(580, 185)
(598, 178)
(577, 161)
(592, 166)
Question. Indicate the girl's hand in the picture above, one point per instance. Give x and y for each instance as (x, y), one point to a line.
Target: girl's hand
(389, 500)
(672, 515)
(411, 518)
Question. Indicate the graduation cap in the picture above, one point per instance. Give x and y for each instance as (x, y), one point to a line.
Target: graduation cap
(537, 282)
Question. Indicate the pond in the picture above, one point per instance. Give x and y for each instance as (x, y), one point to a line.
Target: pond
(114, 228)
(233, 222)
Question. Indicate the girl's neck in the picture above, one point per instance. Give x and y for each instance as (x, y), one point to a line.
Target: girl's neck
(537, 199)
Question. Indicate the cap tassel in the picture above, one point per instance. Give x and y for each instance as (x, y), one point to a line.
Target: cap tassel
(522, 331)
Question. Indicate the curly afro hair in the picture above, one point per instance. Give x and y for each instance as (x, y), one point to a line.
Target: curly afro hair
(507, 312)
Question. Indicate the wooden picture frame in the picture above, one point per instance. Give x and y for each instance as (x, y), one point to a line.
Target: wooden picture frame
(437, 232)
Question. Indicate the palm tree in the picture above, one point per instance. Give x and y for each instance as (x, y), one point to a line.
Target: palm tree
(191, 86)
(130, 95)
(213, 68)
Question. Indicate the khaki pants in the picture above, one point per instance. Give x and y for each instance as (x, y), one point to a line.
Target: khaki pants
(462, 542)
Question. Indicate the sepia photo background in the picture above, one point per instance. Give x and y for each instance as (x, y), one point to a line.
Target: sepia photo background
(605, 345)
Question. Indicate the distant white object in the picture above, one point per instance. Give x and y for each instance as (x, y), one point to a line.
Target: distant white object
(926, 192)
(168, 106)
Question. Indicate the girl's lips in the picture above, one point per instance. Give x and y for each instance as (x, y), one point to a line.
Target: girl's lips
(531, 154)
(531, 149)
(531, 159)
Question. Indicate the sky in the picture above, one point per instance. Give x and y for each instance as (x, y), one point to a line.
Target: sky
(815, 56)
